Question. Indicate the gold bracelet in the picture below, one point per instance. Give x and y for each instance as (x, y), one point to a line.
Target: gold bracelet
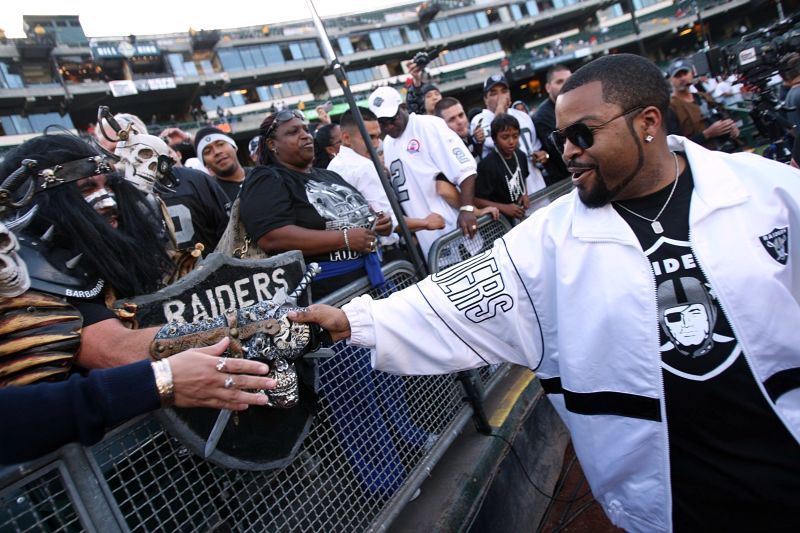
(166, 389)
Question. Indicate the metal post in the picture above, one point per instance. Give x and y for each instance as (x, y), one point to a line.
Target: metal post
(635, 23)
(341, 77)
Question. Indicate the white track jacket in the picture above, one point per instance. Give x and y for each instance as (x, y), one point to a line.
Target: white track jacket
(570, 294)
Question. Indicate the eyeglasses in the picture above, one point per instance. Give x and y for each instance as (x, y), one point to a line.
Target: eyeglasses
(582, 135)
(284, 116)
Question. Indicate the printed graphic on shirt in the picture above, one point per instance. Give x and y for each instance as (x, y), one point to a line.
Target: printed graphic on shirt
(776, 242)
(476, 288)
(696, 340)
(341, 208)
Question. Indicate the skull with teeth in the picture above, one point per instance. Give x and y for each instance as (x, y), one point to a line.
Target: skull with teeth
(139, 160)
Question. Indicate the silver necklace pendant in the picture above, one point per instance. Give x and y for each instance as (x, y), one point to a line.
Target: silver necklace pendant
(657, 227)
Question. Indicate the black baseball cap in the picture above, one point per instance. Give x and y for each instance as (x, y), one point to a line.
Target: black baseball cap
(679, 65)
(494, 79)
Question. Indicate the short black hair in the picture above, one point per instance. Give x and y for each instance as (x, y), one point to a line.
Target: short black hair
(445, 103)
(628, 80)
(555, 68)
(503, 121)
(348, 119)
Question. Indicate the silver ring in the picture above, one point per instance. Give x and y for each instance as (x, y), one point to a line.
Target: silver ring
(229, 382)
(221, 364)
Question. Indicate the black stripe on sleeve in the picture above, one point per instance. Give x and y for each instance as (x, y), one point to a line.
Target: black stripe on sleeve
(605, 402)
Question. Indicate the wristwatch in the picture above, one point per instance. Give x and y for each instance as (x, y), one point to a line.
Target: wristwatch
(467, 208)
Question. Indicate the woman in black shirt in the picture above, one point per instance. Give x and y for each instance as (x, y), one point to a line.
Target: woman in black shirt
(287, 204)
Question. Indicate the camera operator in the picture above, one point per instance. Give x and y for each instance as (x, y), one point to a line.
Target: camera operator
(697, 114)
(790, 72)
(421, 97)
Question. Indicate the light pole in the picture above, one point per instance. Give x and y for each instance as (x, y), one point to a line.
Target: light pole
(341, 77)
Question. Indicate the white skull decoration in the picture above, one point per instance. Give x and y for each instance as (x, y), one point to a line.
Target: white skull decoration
(14, 279)
(139, 160)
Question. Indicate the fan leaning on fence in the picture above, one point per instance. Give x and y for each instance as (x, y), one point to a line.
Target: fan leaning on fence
(287, 204)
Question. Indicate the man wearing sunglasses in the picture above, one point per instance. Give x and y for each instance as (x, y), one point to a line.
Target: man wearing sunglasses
(658, 304)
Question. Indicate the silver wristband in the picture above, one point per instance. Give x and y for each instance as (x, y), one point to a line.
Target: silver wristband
(346, 240)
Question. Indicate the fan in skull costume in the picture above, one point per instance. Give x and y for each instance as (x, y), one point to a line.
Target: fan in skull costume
(84, 231)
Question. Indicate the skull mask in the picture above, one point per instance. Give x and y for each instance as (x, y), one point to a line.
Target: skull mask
(14, 278)
(144, 160)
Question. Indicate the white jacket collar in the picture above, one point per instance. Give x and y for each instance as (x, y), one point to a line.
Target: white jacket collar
(715, 186)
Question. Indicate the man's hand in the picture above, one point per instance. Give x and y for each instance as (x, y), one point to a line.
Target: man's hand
(415, 71)
(720, 128)
(175, 136)
(322, 115)
(434, 221)
(331, 319)
(513, 210)
(468, 223)
(540, 157)
(383, 225)
(490, 210)
(503, 103)
(479, 135)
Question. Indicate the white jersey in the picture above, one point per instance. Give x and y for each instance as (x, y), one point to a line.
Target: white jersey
(528, 141)
(426, 149)
(359, 172)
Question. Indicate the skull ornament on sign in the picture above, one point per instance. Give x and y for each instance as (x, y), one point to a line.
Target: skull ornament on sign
(142, 159)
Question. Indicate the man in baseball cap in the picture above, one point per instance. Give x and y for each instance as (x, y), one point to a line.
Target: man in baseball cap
(217, 151)
(384, 102)
(493, 80)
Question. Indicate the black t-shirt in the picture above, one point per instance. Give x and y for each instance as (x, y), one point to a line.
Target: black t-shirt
(197, 208)
(495, 182)
(231, 190)
(734, 465)
(275, 196)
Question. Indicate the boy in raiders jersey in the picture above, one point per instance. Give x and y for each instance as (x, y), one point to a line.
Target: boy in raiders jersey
(658, 303)
(502, 174)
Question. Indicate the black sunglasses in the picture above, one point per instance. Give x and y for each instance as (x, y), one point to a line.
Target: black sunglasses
(580, 134)
(383, 121)
(284, 116)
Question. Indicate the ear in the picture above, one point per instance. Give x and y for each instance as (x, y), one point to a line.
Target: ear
(651, 120)
(271, 145)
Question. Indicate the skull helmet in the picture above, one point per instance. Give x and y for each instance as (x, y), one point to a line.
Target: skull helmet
(145, 161)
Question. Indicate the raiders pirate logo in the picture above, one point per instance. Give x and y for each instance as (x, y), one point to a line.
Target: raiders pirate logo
(776, 243)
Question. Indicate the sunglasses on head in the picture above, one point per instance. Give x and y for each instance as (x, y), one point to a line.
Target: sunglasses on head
(284, 116)
(582, 135)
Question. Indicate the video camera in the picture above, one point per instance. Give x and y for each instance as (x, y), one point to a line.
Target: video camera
(424, 57)
(755, 60)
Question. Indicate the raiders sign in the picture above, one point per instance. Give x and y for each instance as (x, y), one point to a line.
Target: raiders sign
(776, 242)
(259, 438)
